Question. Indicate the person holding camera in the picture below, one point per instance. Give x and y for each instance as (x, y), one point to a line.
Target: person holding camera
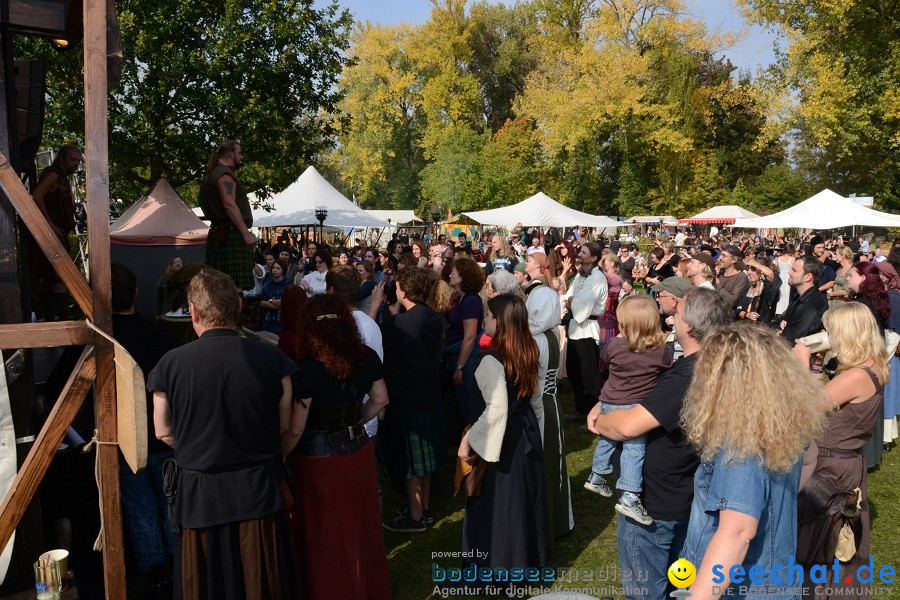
(855, 397)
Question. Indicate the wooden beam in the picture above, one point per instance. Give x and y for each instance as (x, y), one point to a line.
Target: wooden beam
(45, 335)
(45, 445)
(96, 136)
(34, 219)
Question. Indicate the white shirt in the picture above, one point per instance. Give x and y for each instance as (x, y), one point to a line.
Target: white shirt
(589, 295)
(371, 336)
(316, 281)
(708, 285)
(679, 239)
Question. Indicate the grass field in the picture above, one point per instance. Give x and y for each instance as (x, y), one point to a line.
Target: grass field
(592, 544)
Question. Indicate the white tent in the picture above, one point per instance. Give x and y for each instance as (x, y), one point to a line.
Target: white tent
(724, 215)
(297, 205)
(825, 210)
(651, 220)
(396, 217)
(540, 210)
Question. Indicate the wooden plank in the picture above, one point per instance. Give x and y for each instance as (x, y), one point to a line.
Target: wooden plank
(46, 444)
(42, 231)
(96, 136)
(45, 335)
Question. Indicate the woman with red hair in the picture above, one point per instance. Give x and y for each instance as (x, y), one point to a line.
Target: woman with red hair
(864, 281)
(336, 516)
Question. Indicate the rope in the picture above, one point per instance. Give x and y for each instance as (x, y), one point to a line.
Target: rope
(98, 543)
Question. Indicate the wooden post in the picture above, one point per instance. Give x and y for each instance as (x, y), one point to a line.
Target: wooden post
(44, 448)
(97, 176)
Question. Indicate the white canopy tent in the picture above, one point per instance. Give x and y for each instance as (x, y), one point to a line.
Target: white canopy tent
(667, 220)
(297, 205)
(540, 210)
(825, 210)
(719, 215)
(396, 217)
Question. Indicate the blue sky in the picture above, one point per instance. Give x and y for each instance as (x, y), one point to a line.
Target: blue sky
(721, 16)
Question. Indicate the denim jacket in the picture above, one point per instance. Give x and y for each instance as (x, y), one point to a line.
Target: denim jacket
(749, 487)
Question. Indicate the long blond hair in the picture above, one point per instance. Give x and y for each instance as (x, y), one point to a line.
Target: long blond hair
(751, 398)
(638, 318)
(856, 340)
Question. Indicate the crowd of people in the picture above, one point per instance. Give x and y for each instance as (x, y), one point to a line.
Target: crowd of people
(740, 386)
(686, 361)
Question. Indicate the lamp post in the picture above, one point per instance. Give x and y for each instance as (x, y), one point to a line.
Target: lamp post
(321, 215)
(435, 219)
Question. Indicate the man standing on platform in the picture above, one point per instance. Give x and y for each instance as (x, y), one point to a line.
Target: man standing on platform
(54, 197)
(229, 245)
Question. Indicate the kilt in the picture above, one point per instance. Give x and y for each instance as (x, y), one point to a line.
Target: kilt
(413, 442)
(228, 253)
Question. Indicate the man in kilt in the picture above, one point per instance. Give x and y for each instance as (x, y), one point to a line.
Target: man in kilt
(229, 244)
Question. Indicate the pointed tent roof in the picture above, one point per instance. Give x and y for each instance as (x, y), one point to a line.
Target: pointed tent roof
(540, 210)
(825, 210)
(725, 215)
(297, 204)
(160, 218)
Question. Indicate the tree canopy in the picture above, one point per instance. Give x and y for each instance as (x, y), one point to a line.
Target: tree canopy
(615, 107)
(611, 106)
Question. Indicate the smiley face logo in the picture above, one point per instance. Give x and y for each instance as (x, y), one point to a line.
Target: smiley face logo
(682, 573)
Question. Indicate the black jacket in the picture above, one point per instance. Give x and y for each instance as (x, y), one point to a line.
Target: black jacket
(804, 315)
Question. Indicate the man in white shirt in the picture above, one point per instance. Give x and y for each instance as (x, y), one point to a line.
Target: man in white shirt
(585, 300)
(679, 238)
(343, 281)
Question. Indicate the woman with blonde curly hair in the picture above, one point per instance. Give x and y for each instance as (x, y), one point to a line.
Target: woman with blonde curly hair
(855, 395)
(750, 431)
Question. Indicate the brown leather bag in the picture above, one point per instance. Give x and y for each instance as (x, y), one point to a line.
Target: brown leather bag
(473, 481)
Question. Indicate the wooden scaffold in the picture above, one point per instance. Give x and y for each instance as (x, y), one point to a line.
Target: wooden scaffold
(96, 367)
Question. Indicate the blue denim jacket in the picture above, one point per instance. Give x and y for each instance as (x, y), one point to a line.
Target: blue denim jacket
(749, 487)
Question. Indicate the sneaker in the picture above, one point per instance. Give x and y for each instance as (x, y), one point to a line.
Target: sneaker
(598, 485)
(630, 506)
(403, 524)
(427, 516)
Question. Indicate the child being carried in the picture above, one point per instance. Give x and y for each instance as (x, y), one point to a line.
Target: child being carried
(635, 360)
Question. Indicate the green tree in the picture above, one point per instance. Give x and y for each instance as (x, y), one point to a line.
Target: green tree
(380, 154)
(195, 73)
(835, 91)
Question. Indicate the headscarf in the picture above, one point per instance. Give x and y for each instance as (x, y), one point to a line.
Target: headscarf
(887, 269)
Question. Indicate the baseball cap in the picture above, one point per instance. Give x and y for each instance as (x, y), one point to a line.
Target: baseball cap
(706, 259)
(733, 250)
(520, 267)
(677, 286)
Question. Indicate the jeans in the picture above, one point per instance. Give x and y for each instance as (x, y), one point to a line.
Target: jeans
(645, 553)
(468, 374)
(631, 464)
(144, 512)
(583, 370)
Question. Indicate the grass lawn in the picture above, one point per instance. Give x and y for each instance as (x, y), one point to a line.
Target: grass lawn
(592, 544)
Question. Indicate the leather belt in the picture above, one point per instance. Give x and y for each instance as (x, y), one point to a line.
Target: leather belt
(833, 453)
(346, 440)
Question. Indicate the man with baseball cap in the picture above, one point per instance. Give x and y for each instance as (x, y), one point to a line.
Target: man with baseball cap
(733, 282)
(669, 293)
(702, 270)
